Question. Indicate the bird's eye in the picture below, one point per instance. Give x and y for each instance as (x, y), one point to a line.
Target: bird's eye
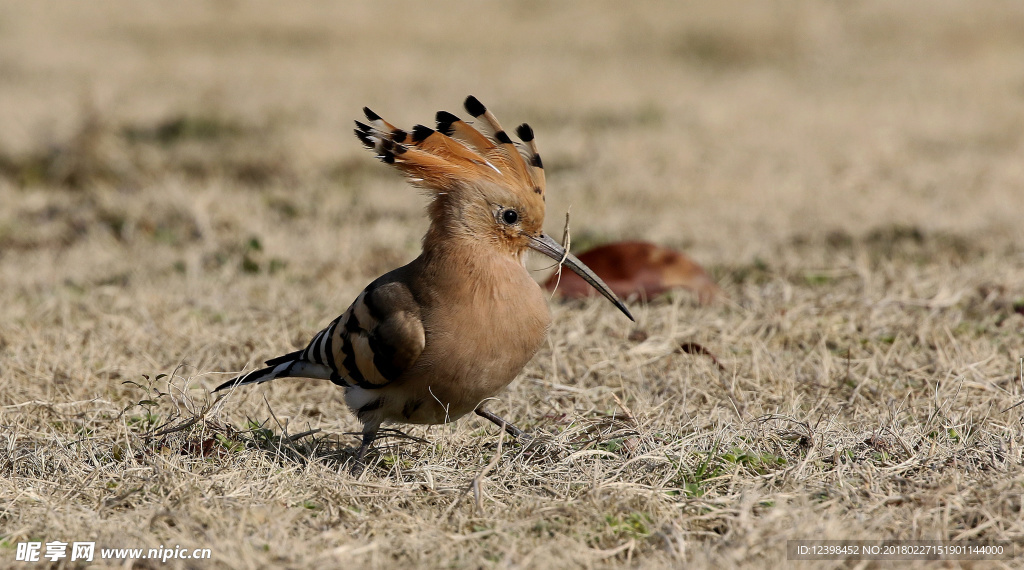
(510, 217)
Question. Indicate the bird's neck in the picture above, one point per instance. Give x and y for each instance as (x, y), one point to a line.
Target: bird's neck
(468, 258)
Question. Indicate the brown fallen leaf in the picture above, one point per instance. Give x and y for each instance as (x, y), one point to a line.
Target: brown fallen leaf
(637, 268)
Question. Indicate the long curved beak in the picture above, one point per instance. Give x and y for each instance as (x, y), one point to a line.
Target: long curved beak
(551, 248)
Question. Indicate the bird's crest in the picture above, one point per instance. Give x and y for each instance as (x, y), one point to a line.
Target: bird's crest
(457, 158)
(456, 151)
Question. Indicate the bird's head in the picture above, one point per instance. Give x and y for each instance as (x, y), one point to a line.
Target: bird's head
(485, 189)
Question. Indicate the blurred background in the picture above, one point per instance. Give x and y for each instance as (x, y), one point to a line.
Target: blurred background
(719, 126)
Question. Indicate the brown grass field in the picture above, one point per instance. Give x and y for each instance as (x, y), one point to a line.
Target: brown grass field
(181, 197)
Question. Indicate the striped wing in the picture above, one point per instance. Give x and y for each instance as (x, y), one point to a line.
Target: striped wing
(375, 341)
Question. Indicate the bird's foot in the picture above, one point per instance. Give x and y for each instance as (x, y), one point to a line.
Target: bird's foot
(358, 465)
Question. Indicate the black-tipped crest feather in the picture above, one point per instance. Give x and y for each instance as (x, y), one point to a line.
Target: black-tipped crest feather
(474, 106)
(370, 114)
(420, 133)
(444, 121)
(363, 138)
(524, 132)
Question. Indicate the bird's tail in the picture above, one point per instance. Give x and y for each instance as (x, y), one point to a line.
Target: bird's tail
(286, 366)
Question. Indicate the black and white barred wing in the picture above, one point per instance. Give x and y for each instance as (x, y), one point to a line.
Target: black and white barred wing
(377, 339)
(371, 345)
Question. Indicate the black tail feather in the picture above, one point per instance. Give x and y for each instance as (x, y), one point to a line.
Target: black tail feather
(285, 358)
(287, 366)
(256, 376)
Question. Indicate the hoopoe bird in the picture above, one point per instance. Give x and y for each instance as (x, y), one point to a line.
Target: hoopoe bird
(428, 342)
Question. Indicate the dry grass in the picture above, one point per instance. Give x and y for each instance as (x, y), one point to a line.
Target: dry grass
(182, 198)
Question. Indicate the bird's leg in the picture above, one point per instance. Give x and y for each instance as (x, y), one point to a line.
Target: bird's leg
(500, 422)
(368, 436)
